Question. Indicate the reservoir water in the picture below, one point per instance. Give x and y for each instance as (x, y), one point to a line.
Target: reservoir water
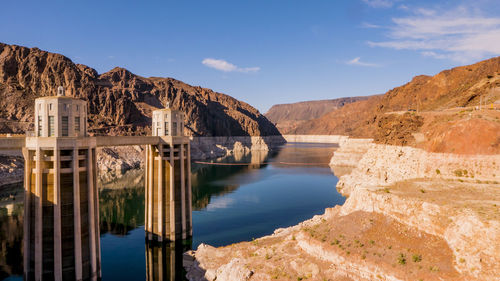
(235, 199)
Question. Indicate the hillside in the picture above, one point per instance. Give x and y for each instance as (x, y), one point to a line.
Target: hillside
(120, 102)
(289, 116)
(446, 120)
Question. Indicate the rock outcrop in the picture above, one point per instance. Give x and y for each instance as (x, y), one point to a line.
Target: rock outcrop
(289, 117)
(120, 102)
(441, 108)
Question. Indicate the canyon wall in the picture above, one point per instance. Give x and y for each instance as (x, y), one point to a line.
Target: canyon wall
(409, 215)
(386, 164)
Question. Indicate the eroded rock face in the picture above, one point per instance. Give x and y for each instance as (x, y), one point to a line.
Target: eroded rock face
(289, 117)
(120, 102)
(440, 107)
(383, 165)
(400, 222)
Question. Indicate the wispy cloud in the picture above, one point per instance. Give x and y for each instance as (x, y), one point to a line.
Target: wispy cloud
(357, 61)
(380, 3)
(226, 66)
(369, 25)
(220, 203)
(457, 34)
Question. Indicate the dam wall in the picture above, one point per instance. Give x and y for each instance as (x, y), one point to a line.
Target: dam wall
(315, 138)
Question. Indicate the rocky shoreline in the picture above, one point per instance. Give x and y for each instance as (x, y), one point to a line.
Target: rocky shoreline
(409, 215)
(113, 162)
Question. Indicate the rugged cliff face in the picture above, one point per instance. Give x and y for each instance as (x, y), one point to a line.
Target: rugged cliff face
(120, 102)
(288, 117)
(444, 102)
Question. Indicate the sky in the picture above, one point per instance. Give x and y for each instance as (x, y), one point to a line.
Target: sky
(264, 52)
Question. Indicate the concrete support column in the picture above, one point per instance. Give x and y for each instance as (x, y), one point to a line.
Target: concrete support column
(77, 217)
(190, 196)
(150, 157)
(183, 192)
(96, 211)
(38, 215)
(160, 193)
(57, 216)
(92, 221)
(28, 169)
(146, 190)
(172, 193)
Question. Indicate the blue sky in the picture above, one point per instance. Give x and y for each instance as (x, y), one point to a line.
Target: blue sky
(264, 52)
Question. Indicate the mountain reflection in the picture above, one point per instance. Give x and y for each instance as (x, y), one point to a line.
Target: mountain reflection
(122, 200)
(11, 235)
(208, 180)
(121, 203)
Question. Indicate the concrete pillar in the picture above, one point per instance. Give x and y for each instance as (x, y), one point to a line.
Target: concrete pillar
(28, 169)
(38, 215)
(159, 200)
(92, 220)
(190, 196)
(150, 156)
(77, 218)
(172, 193)
(183, 191)
(57, 216)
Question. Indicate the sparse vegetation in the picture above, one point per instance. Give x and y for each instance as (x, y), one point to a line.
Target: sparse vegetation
(402, 259)
(438, 172)
(417, 258)
(460, 173)
(434, 268)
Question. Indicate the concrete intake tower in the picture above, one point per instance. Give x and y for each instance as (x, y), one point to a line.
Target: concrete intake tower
(168, 179)
(61, 208)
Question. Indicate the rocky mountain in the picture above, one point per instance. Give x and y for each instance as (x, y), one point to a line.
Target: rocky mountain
(287, 117)
(445, 103)
(120, 102)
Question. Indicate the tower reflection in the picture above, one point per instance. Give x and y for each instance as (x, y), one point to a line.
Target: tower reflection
(164, 260)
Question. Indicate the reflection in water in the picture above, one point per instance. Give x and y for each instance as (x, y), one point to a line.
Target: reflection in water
(206, 179)
(122, 204)
(243, 202)
(164, 261)
(11, 237)
(231, 203)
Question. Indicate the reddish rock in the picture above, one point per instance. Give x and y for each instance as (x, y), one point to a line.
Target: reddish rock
(120, 102)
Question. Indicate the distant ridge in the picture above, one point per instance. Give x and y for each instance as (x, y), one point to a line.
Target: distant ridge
(292, 115)
(120, 102)
(445, 119)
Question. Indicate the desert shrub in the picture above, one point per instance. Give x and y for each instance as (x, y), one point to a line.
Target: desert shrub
(402, 259)
(417, 258)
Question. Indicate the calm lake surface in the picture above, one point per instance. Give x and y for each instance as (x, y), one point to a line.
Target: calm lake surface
(231, 203)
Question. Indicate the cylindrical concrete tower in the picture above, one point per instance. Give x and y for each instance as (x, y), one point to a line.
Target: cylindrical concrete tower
(168, 179)
(61, 210)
